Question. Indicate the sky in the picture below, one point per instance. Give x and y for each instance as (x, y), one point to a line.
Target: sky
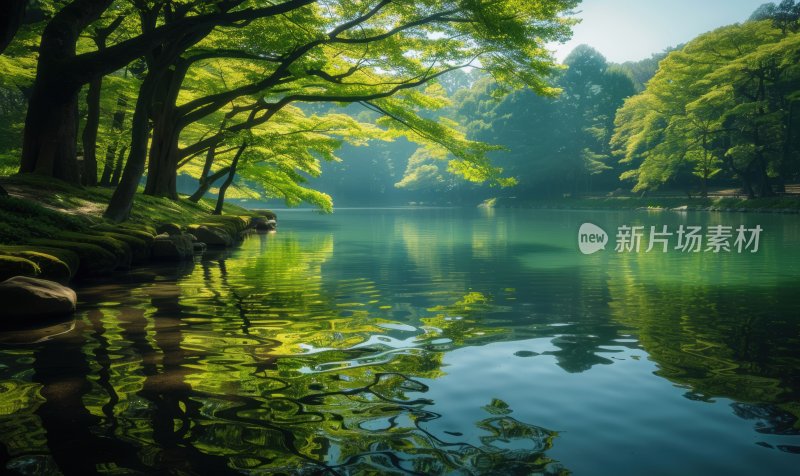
(631, 30)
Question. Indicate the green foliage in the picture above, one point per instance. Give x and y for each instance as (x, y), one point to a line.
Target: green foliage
(719, 106)
(382, 59)
(550, 146)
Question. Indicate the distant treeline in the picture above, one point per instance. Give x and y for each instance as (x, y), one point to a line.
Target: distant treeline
(719, 111)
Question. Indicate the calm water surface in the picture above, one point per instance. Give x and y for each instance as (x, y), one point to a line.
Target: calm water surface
(426, 341)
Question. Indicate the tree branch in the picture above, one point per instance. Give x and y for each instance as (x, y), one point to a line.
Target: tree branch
(88, 65)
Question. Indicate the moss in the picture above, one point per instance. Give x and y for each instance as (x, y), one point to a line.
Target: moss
(268, 214)
(69, 258)
(59, 227)
(140, 228)
(94, 260)
(51, 266)
(227, 228)
(31, 209)
(11, 266)
(119, 248)
(141, 233)
(21, 220)
(232, 224)
(140, 249)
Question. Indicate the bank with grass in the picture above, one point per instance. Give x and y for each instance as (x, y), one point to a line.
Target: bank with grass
(54, 231)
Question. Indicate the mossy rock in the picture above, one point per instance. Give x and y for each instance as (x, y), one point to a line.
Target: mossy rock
(119, 248)
(169, 229)
(269, 214)
(140, 250)
(212, 234)
(11, 266)
(143, 234)
(70, 258)
(242, 222)
(150, 230)
(94, 260)
(226, 228)
(235, 223)
(52, 267)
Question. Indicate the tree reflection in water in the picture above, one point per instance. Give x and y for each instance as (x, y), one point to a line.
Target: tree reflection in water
(248, 365)
(282, 357)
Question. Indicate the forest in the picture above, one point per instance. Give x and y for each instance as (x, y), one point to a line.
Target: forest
(240, 101)
(720, 112)
(425, 306)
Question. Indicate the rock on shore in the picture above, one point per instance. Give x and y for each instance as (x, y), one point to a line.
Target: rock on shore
(26, 297)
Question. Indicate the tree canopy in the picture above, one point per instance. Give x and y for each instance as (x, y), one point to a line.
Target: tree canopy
(205, 79)
(724, 104)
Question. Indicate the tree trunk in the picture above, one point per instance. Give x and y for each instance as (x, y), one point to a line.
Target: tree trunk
(228, 180)
(747, 186)
(764, 185)
(118, 166)
(89, 137)
(207, 183)
(788, 164)
(108, 165)
(211, 154)
(51, 129)
(119, 208)
(112, 167)
(10, 21)
(49, 143)
(162, 171)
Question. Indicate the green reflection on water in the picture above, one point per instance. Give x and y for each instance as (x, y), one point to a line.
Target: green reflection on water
(315, 350)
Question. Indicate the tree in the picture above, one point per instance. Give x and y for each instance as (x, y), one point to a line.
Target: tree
(51, 122)
(295, 51)
(356, 56)
(722, 104)
(551, 145)
(89, 138)
(13, 13)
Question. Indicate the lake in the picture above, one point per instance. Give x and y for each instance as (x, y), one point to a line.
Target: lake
(427, 341)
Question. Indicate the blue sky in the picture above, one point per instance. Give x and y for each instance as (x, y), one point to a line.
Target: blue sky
(630, 30)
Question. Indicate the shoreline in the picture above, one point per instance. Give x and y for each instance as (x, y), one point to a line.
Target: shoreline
(53, 236)
(787, 205)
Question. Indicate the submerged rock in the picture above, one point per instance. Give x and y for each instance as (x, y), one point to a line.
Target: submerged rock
(24, 296)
